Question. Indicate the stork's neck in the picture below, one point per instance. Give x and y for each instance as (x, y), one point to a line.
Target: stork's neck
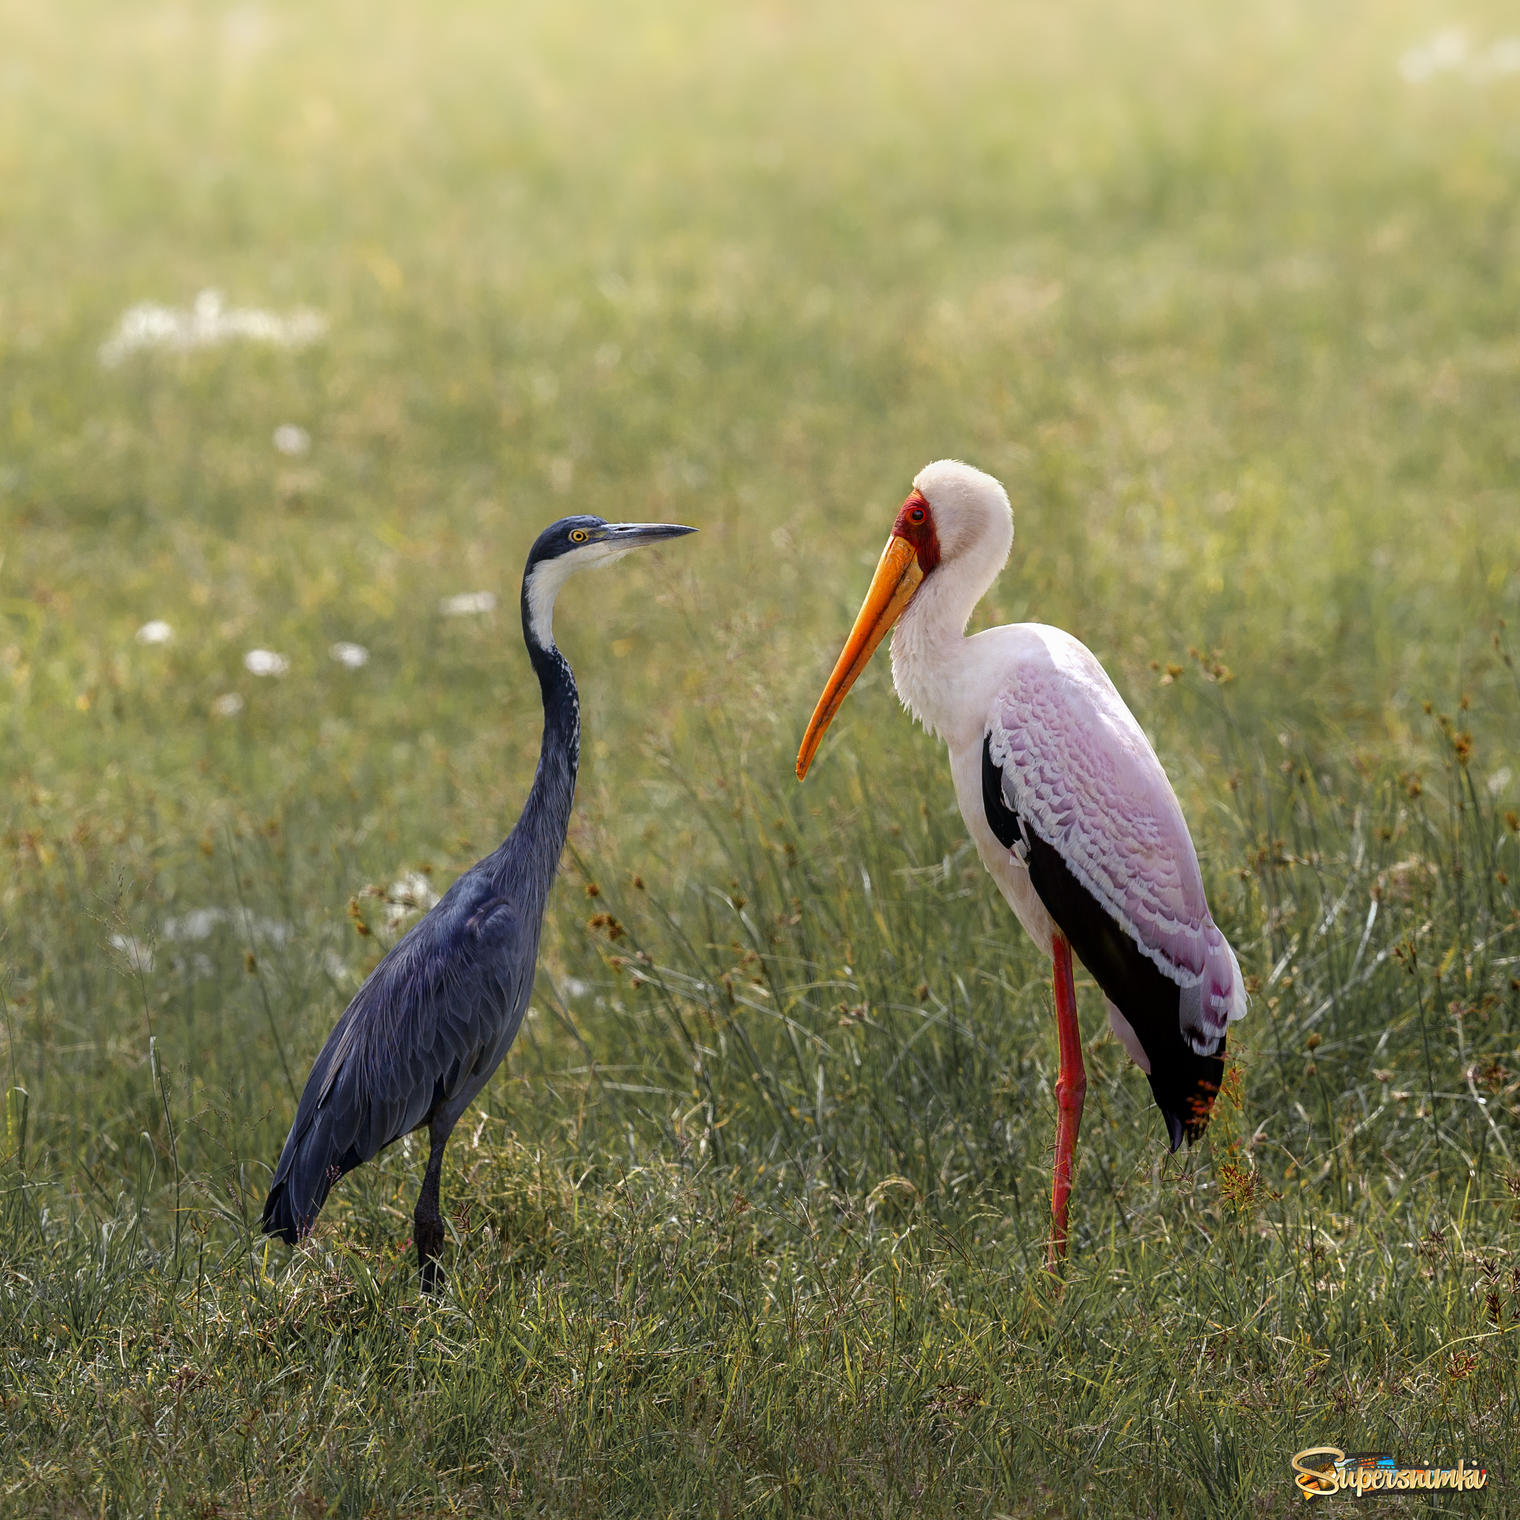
(929, 644)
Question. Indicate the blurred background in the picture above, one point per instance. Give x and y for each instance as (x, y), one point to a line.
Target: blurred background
(311, 316)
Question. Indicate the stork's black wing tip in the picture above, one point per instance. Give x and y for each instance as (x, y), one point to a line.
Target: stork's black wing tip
(1180, 1127)
(1187, 1100)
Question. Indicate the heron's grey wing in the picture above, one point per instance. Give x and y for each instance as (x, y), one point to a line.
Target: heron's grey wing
(426, 1030)
(430, 1024)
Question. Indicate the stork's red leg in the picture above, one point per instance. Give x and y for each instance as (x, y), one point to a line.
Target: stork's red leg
(1071, 1089)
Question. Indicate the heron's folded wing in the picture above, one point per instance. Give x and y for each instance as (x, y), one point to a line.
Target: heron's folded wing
(444, 1001)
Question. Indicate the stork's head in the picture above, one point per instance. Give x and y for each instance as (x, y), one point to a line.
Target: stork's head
(953, 532)
(969, 511)
(578, 543)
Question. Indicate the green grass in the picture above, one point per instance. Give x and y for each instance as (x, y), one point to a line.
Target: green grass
(750, 1222)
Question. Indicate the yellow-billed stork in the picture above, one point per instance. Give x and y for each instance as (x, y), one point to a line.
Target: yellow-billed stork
(1069, 807)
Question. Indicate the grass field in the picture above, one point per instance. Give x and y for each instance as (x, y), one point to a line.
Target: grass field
(750, 1221)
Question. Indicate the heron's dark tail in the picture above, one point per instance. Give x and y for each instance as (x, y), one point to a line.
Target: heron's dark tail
(294, 1202)
(307, 1170)
(1185, 1089)
(315, 1156)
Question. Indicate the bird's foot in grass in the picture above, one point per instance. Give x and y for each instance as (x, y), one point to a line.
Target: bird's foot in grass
(429, 1277)
(428, 1233)
(1055, 1259)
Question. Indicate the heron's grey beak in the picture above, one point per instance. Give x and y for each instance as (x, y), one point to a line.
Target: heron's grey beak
(635, 535)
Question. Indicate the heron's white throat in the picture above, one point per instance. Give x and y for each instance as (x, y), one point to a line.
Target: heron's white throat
(549, 575)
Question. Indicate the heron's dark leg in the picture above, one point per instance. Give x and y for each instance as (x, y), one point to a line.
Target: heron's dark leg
(1071, 1089)
(427, 1221)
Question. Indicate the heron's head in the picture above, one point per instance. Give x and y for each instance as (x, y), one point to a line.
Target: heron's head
(578, 543)
(953, 532)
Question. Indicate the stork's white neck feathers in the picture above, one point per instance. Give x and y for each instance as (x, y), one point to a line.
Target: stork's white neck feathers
(974, 525)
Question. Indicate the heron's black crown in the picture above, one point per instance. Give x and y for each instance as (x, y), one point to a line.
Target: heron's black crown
(607, 540)
(557, 538)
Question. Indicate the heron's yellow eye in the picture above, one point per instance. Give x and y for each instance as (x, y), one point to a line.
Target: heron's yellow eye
(578, 536)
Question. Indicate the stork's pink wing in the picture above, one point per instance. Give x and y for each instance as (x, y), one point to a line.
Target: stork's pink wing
(1078, 769)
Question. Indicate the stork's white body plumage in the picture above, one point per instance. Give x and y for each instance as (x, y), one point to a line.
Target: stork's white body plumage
(1062, 794)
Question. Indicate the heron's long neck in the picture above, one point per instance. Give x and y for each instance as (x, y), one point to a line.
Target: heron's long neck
(536, 842)
(929, 643)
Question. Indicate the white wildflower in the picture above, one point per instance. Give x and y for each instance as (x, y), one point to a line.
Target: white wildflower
(1449, 51)
(265, 662)
(1502, 57)
(200, 923)
(468, 604)
(408, 894)
(354, 656)
(194, 968)
(292, 440)
(335, 966)
(1446, 50)
(207, 324)
(413, 889)
(197, 924)
(138, 952)
(155, 632)
(228, 705)
(269, 931)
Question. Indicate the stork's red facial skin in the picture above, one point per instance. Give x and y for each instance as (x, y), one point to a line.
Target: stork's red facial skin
(915, 523)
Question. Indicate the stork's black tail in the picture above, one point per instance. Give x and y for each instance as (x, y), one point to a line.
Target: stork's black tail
(1185, 1087)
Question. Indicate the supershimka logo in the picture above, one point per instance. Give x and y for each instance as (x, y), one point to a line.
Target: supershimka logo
(1324, 1470)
